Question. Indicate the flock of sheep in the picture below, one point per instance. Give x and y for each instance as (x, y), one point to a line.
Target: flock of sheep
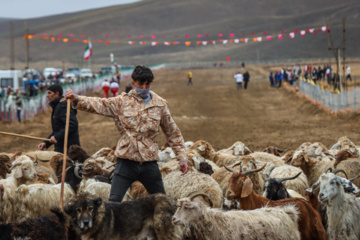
(234, 193)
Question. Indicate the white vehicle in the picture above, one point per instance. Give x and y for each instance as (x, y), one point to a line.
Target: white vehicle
(13, 78)
(86, 73)
(49, 71)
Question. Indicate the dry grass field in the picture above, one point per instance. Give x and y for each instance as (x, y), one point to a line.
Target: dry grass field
(212, 110)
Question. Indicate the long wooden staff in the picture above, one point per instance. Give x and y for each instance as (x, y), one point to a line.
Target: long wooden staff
(24, 136)
(65, 155)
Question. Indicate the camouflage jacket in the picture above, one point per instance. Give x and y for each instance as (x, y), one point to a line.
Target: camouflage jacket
(137, 124)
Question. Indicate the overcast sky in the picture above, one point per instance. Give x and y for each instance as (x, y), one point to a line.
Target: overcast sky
(41, 8)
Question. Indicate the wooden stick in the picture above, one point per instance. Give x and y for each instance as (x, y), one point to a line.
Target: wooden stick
(65, 155)
(24, 136)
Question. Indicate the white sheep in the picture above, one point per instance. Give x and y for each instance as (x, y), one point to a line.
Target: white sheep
(202, 222)
(98, 189)
(166, 155)
(342, 209)
(23, 172)
(237, 149)
(177, 186)
(35, 200)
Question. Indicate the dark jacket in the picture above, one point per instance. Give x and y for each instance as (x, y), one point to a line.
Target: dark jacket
(246, 77)
(58, 122)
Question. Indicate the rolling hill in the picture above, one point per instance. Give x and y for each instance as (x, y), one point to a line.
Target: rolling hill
(125, 23)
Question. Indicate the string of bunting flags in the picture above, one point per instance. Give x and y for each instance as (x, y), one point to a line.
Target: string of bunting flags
(152, 42)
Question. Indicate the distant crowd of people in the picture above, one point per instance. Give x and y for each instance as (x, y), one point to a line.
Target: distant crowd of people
(308, 72)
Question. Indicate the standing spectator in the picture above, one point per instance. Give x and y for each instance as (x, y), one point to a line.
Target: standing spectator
(190, 75)
(18, 103)
(348, 73)
(327, 74)
(243, 65)
(58, 121)
(105, 86)
(314, 75)
(299, 71)
(319, 74)
(9, 91)
(3, 92)
(278, 79)
(246, 79)
(114, 88)
(118, 76)
(239, 79)
(271, 78)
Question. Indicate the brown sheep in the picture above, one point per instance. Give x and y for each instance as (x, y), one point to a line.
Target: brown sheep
(241, 189)
(5, 165)
(76, 153)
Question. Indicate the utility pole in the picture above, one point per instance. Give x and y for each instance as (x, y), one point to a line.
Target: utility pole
(26, 44)
(336, 52)
(12, 58)
(343, 49)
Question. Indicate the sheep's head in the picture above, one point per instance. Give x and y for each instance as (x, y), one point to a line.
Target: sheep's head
(342, 155)
(316, 149)
(330, 187)
(301, 160)
(203, 148)
(273, 150)
(91, 168)
(56, 163)
(274, 189)
(240, 149)
(23, 168)
(289, 156)
(189, 210)
(303, 146)
(246, 163)
(240, 186)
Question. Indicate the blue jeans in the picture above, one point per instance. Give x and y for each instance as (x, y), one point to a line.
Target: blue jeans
(127, 171)
(19, 115)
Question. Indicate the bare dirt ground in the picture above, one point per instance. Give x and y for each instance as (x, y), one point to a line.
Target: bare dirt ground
(212, 110)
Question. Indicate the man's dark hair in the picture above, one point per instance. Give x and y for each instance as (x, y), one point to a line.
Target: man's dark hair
(56, 88)
(142, 74)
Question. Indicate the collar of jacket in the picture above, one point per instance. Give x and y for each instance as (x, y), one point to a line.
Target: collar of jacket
(155, 101)
(55, 102)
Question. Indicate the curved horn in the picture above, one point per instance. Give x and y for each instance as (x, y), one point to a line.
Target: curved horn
(204, 195)
(15, 165)
(354, 178)
(328, 170)
(340, 170)
(230, 169)
(279, 180)
(236, 164)
(253, 170)
(7, 167)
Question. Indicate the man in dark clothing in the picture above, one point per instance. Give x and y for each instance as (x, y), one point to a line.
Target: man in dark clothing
(58, 121)
(246, 79)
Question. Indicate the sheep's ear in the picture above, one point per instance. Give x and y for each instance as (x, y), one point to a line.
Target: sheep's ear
(247, 188)
(306, 158)
(98, 201)
(18, 172)
(318, 151)
(202, 148)
(51, 180)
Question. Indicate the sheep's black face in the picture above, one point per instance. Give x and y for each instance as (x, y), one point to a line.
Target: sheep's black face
(274, 190)
(83, 211)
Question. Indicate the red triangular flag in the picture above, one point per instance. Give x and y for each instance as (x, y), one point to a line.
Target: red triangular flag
(228, 59)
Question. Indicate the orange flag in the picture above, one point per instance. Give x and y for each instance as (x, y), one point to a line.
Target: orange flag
(187, 43)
